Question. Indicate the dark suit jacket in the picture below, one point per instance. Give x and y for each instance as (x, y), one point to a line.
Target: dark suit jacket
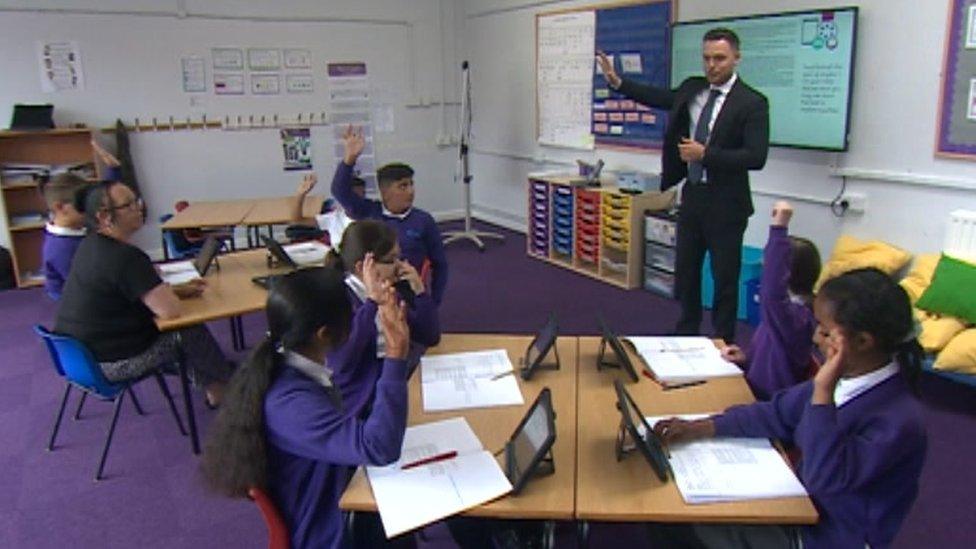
(739, 142)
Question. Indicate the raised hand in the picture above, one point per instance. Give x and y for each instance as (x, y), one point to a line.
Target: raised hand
(377, 289)
(307, 183)
(106, 157)
(607, 67)
(782, 213)
(393, 323)
(354, 143)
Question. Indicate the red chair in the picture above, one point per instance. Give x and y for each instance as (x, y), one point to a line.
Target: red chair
(278, 537)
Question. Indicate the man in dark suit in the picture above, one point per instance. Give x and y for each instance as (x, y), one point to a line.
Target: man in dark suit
(718, 130)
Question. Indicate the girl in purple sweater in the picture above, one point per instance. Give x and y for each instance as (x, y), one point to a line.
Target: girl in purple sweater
(857, 422)
(780, 351)
(291, 427)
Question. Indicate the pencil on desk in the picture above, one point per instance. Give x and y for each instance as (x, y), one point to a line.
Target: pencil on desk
(503, 374)
(668, 387)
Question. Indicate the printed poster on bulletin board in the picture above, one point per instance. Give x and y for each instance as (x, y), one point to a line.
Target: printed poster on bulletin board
(957, 109)
(296, 143)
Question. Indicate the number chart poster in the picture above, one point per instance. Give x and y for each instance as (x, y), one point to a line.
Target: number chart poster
(636, 38)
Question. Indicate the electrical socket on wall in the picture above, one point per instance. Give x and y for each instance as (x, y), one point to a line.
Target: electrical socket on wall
(853, 202)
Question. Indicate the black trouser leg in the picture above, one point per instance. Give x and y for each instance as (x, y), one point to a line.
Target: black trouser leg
(691, 246)
(724, 238)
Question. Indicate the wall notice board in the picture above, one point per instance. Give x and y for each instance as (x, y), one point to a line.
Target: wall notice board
(957, 110)
(575, 106)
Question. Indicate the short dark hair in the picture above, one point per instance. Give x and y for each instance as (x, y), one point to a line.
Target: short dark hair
(360, 238)
(805, 265)
(393, 172)
(61, 188)
(723, 33)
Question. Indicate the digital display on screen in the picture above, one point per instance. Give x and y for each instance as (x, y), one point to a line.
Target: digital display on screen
(803, 62)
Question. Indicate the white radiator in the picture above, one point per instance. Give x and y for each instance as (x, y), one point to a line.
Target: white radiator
(961, 235)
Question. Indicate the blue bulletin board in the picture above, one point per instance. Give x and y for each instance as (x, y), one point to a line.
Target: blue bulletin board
(637, 37)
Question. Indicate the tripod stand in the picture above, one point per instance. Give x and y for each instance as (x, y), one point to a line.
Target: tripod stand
(463, 171)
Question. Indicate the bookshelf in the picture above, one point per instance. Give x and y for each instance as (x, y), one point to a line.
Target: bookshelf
(596, 231)
(24, 209)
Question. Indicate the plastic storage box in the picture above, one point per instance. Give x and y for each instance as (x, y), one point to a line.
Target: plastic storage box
(751, 270)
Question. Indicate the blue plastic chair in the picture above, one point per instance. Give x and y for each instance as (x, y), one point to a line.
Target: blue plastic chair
(175, 245)
(75, 363)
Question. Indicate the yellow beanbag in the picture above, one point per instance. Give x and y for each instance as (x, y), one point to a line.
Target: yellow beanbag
(937, 330)
(851, 253)
(960, 354)
(919, 278)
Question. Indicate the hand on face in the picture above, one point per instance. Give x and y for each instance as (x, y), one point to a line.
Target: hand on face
(377, 288)
(836, 352)
(405, 271)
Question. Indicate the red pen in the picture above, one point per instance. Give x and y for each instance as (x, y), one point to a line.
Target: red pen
(432, 459)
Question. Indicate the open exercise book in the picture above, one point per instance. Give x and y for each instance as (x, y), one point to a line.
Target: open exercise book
(307, 253)
(730, 469)
(413, 497)
(682, 359)
(475, 379)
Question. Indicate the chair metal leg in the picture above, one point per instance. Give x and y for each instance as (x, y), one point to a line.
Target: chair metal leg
(135, 402)
(57, 420)
(81, 403)
(169, 399)
(191, 418)
(111, 431)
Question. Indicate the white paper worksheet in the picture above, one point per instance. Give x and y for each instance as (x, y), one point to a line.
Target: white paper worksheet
(468, 380)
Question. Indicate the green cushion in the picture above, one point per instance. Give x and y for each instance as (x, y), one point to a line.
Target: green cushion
(953, 290)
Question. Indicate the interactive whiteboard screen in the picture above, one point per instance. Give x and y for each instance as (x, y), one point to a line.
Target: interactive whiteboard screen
(802, 61)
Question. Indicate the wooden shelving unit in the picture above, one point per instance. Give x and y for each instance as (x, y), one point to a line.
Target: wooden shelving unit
(52, 147)
(596, 231)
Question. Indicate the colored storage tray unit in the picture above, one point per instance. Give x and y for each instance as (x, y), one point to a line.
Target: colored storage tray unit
(751, 269)
(661, 229)
(659, 282)
(616, 201)
(659, 257)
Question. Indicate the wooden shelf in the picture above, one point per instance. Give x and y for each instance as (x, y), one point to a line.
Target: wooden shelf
(27, 227)
(19, 186)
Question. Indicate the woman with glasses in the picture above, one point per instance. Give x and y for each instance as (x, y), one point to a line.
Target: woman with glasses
(113, 296)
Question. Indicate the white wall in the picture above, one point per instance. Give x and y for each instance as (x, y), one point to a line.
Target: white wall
(131, 59)
(898, 65)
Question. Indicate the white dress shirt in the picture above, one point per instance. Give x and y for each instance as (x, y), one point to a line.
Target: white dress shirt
(850, 388)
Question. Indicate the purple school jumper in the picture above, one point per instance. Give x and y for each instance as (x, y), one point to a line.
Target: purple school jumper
(417, 233)
(780, 350)
(314, 448)
(861, 462)
(60, 245)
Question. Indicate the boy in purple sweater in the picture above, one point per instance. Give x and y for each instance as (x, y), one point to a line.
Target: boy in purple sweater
(780, 351)
(64, 231)
(296, 423)
(857, 422)
(417, 232)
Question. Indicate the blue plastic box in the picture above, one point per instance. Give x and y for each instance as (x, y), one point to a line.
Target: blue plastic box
(751, 270)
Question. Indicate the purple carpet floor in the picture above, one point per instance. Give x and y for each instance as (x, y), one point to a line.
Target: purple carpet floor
(151, 495)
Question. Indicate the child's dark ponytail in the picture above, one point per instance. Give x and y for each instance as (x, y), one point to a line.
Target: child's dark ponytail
(235, 457)
(909, 356)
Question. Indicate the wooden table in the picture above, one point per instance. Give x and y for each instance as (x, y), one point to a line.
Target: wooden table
(274, 211)
(217, 213)
(607, 490)
(548, 497)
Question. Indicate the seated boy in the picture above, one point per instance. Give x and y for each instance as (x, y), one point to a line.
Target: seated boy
(331, 218)
(417, 233)
(64, 230)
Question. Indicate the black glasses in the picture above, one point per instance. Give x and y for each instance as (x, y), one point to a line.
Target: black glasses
(137, 202)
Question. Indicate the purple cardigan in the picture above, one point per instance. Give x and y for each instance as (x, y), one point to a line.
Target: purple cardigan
(417, 233)
(860, 464)
(314, 448)
(780, 350)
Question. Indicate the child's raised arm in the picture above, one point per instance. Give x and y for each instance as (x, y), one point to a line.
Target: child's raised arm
(304, 187)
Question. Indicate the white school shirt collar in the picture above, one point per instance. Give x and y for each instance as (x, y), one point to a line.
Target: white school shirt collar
(359, 289)
(400, 216)
(51, 228)
(321, 373)
(850, 388)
